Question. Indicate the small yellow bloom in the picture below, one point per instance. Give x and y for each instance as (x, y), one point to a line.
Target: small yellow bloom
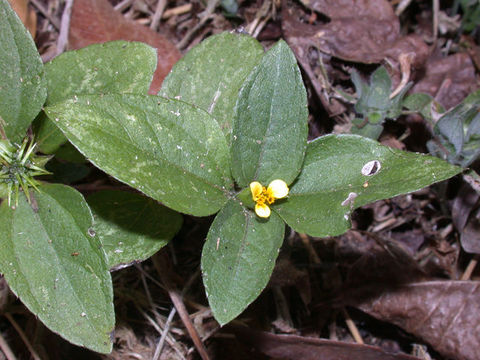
(264, 196)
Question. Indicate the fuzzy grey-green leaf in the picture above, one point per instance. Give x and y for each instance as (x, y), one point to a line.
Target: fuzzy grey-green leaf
(169, 150)
(22, 84)
(211, 74)
(131, 227)
(270, 125)
(112, 67)
(344, 172)
(238, 258)
(53, 263)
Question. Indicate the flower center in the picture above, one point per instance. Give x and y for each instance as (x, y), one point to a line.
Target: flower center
(266, 197)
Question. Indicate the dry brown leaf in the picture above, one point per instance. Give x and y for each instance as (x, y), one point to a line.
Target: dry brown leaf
(28, 16)
(469, 237)
(365, 31)
(292, 347)
(95, 21)
(361, 31)
(443, 314)
(448, 79)
(466, 218)
(374, 259)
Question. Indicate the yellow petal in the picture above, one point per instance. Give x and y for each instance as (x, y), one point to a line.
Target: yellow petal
(278, 188)
(262, 210)
(256, 188)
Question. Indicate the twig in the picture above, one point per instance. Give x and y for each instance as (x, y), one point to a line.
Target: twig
(179, 10)
(260, 27)
(177, 301)
(352, 327)
(206, 15)
(161, 4)
(48, 16)
(256, 25)
(6, 349)
(332, 328)
(402, 6)
(145, 286)
(64, 27)
(311, 251)
(150, 277)
(405, 60)
(171, 342)
(22, 336)
(166, 329)
(436, 14)
(182, 311)
(467, 274)
(281, 306)
(123, 5)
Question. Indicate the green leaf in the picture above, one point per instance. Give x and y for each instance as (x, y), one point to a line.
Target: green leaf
(458, 132)
(396, 103)
(167, 149)
(211, 74)
(344, 172)
(366, 128)
(373, 98)
(68, 152)
(131, 227)
(22, 84)
(112, 67)
(270, 125)
(48, 136)
(422, 103)
(52, 262)
(238, 259)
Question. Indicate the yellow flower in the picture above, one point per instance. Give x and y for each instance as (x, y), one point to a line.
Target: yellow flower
(264, 196)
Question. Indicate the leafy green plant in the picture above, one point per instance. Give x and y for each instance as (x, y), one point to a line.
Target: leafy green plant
(53, 254)
(471, 13)
(457, 133)
(374, 103)
(228, 134)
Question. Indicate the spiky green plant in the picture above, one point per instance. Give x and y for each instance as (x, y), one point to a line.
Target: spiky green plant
(19, 167)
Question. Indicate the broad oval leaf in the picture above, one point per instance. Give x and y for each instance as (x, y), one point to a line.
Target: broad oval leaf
(22, 84)
(131, 227)
(270, 127)
(238, 258)
(211, 74)
(112, 67)
(344, 172)
(53, 263)
(167, 149)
